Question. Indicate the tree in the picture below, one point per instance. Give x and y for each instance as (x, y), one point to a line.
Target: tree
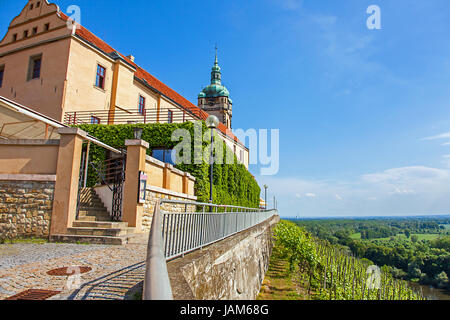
(414, 271)
(441, 280)
(407, 233)
(414, 238)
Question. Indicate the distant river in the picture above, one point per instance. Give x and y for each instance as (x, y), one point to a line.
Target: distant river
(430, 292)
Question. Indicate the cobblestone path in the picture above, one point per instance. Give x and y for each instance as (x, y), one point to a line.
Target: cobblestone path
(115, 270)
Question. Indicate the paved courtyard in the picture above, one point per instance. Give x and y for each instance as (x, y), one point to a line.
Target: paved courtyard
(116, 270)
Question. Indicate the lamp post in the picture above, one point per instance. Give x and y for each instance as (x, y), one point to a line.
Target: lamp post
(265, 195)
(211, 122)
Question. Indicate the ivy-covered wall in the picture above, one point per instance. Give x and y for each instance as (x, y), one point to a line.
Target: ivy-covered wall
(233, 183)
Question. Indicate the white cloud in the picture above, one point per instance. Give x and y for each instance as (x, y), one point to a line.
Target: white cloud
(446, 144)
(402, 191)
(406, 191)
(306, 195)
(439, 136)
(446, 160)
(407, 175)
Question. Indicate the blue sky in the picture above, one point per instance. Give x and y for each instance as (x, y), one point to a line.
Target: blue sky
(353, 105)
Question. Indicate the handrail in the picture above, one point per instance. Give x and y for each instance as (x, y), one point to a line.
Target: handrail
(125, 116)
(174, 234)
(157, 283)
(100, 175)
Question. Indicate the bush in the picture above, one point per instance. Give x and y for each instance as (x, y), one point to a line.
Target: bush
(232, 183)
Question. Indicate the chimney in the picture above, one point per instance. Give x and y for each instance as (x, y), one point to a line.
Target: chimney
(131, 57)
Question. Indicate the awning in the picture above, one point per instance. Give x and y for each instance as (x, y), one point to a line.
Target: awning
(20, 122)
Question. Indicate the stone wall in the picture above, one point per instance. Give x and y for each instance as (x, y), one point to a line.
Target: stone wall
(153, 195)
(232, 269)
(25, 208)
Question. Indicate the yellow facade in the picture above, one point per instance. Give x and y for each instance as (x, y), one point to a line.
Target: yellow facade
(67, 81)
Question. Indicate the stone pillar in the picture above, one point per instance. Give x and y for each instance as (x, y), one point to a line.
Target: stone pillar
(186, 183)
(166, 175)
(67, 179)
(132, 210)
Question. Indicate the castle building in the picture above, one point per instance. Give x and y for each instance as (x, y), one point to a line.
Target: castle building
(64, 71)
(215, 98)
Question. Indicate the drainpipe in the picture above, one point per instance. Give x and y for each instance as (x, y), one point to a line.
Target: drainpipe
(112, 103)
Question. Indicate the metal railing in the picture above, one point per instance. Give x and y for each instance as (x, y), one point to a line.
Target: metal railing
(122, 116)
(175, 234)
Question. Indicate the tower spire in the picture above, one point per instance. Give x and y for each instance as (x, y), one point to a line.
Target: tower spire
(215, 74)
(216, 60)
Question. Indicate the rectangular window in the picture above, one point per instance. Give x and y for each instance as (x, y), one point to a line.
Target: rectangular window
(100, 79)
(34, 68)
(2, 73)
(164, 155)
(31, 7)
(141, 104)
(47, 27)
(14, 37)
(38, 4)
(25, 34)
(95, 120)
(170, 116)
(35, 29)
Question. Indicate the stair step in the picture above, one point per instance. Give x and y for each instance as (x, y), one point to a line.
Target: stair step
(94, 219)
(82, 231)
(99, 224)
(92, 212)
(91, 201)
(140, 238)
(89, 239)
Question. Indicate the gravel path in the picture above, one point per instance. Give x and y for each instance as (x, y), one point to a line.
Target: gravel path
(115, 269)
(12, 255)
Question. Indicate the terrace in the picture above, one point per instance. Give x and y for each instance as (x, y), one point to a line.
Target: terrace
(131, 116)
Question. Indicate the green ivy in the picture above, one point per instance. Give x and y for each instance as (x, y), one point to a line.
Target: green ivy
(233, 184)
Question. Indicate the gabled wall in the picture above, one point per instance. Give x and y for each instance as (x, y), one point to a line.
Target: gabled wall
(45, 94)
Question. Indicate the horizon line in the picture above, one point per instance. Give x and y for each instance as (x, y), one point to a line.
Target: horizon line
(369, 216)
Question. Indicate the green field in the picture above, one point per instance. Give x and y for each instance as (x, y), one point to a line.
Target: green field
(356, 236)
(446, 226)
(401, 236)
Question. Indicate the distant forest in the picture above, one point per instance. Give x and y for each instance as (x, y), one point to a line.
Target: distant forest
(415, 249)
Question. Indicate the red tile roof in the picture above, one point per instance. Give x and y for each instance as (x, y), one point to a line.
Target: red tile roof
(141, 74)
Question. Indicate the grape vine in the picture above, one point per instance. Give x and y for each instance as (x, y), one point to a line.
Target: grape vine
(329, 272)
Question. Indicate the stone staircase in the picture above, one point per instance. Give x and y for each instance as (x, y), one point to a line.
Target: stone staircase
(94, 224)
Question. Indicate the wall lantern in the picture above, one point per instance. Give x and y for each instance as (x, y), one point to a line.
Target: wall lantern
(137, 133)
